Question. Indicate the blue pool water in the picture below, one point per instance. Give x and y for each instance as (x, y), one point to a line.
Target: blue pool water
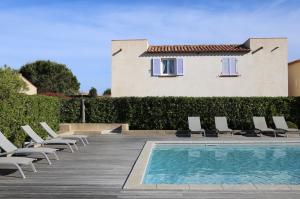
(223, 164)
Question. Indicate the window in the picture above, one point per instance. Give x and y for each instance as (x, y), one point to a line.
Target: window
(168, 66)
(229, 68)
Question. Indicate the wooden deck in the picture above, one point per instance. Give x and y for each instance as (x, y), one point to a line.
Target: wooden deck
(99, 170)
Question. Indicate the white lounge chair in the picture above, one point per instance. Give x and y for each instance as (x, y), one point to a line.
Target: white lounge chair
(51, 133)
(17, 162)
(281, 124)
(195, 125)
(37, 139)
(261, 125)
(10, 148)
(222, 126)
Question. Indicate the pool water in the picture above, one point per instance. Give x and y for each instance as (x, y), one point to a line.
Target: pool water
(223, 164)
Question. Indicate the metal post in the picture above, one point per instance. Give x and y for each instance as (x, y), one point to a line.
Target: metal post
(82, 110)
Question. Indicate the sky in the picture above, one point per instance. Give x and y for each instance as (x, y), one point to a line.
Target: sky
(78, 33)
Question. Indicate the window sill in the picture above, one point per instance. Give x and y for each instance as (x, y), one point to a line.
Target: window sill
(237, 75)
(169, 75)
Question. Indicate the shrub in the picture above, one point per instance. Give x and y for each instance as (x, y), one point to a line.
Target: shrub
(22, 109)
(93, 92)
(107, 92)
(172, 112)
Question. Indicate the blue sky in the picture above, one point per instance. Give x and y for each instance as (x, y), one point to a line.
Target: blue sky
(78, 33)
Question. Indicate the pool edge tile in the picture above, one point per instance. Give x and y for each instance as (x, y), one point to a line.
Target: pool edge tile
(141, 187)
(173, 186)
(239, 187)
(294, 187)
(272, 187)
(206, 187)
(136, 175)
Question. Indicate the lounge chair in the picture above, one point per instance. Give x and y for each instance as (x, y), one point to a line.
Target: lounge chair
(281, 124)
(10, 148)
(195, 125)
(261, 125)
(222, 126)
(51, 133)
(37, 139)
(17, 162)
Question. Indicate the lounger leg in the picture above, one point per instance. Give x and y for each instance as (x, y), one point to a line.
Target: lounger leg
(20, 170)
(70, 147)
(82, 141)
(47, 158)
(75, 145)
(56, 156)
(33, 167)
(275, 134)
(86, 141)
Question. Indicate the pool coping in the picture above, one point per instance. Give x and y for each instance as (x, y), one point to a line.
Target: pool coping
(135, 179)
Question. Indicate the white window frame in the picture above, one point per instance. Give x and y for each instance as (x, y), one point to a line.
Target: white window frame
(168, 69)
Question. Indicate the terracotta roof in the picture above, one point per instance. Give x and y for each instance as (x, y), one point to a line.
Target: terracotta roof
(197, 48)
(294, 62)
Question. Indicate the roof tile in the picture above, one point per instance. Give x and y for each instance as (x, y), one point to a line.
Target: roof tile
(197, 48)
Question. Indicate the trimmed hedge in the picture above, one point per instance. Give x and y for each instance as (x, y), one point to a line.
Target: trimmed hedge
(23, 109)
(70, 110)
(172, 112)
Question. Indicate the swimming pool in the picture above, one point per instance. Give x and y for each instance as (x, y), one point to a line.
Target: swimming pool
(223, 164)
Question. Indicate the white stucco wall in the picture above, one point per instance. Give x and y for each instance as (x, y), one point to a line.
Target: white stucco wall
(264, 73)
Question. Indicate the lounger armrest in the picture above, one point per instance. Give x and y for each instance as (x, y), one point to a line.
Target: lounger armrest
(29, 144)
(225, 130)
(280, 129)
(257, 131)
(5, 153)
(2, 154)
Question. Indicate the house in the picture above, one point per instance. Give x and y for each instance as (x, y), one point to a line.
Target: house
(257, 67)
(31, 89)
(294, 78)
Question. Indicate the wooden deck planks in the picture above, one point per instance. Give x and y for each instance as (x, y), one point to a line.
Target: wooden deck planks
(99, 170)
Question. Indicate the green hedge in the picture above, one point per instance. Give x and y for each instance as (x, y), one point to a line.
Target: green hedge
(22, 109)
(172, 112)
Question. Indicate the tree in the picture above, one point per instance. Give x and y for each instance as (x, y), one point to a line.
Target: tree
(107, 92)
(10, 82)
(93, 92)
(50, 76)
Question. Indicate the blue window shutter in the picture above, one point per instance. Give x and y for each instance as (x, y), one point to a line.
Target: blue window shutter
(156, 67)
(179, 66)
(233, 69)
(225, 66)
